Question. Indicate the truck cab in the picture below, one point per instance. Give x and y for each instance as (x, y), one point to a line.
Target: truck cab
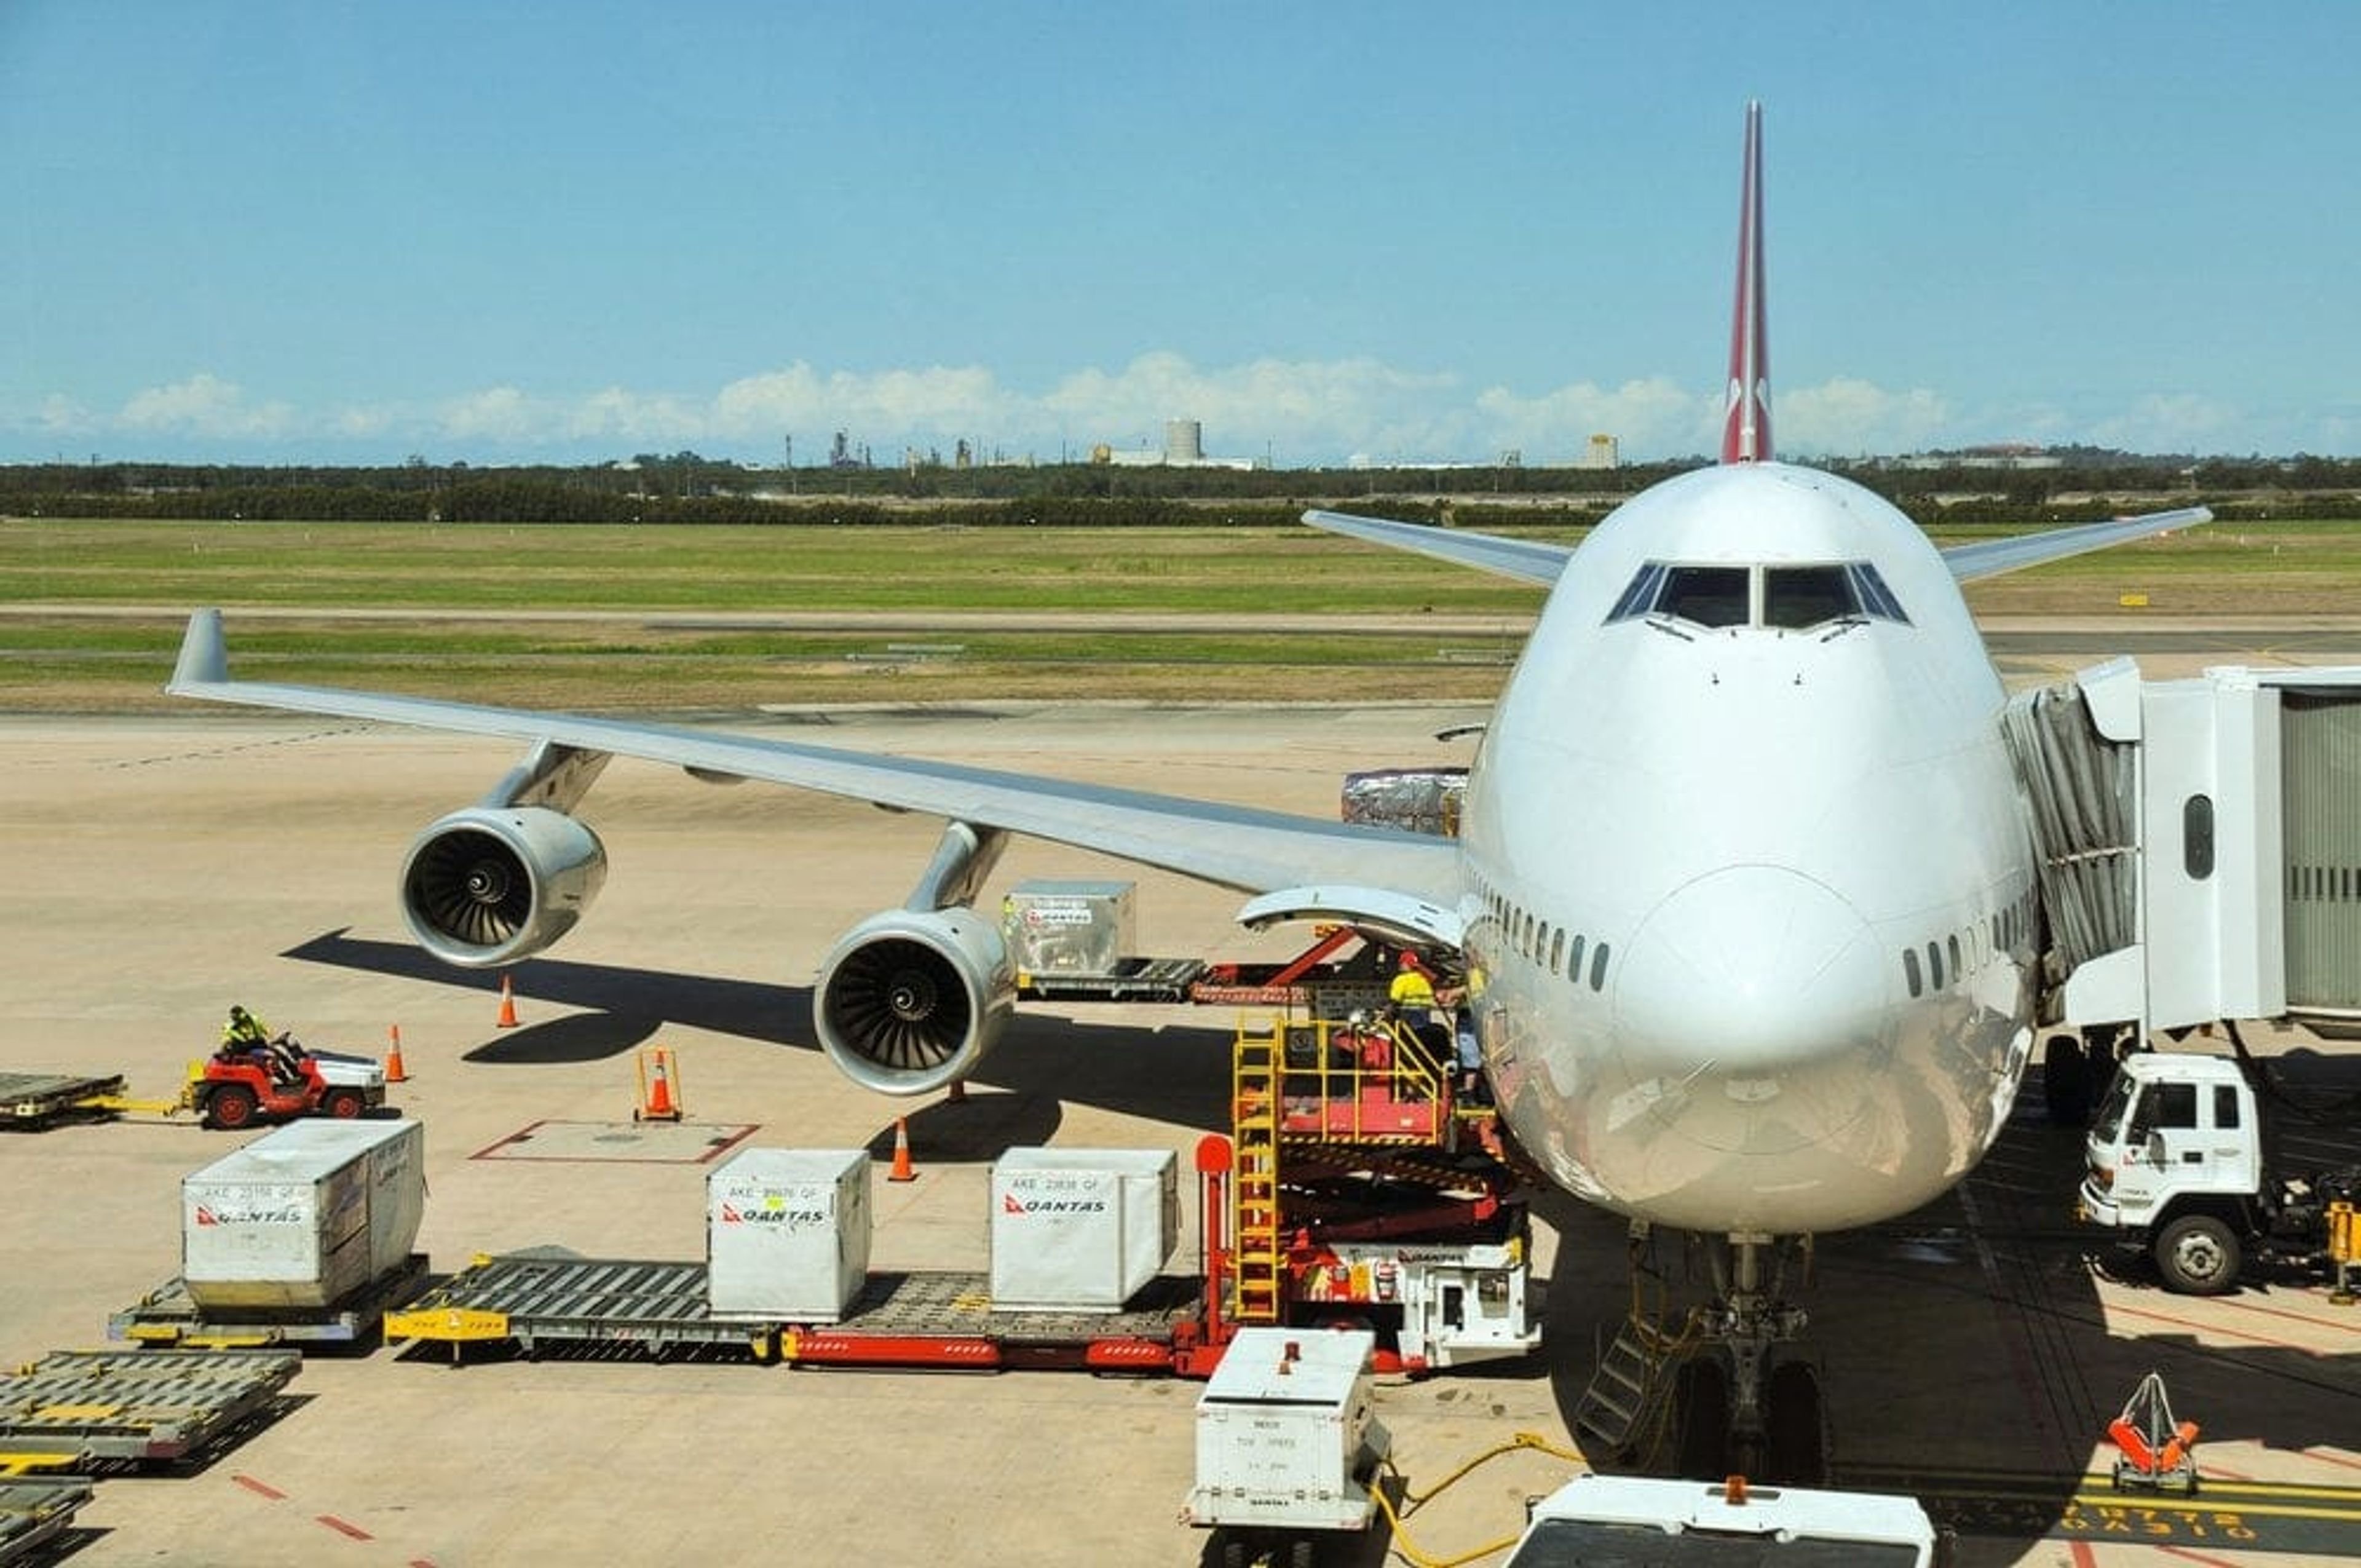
(2175, 1162)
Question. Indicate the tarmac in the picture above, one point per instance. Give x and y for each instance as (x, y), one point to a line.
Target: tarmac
(164, 869)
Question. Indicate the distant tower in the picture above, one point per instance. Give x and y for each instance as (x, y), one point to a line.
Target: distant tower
(1184, 442)
(1605, 451)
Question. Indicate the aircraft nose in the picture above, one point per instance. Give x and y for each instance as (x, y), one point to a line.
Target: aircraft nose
(1748, 969)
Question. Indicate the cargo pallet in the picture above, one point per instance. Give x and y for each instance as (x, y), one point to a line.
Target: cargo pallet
(910, 1319)
(76, 1408)
(36, 1509)
(33, 1099)
(169, 1316)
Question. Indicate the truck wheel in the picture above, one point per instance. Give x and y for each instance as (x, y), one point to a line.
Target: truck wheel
(230, 1107)
(2198, 1255)
(343, 1104)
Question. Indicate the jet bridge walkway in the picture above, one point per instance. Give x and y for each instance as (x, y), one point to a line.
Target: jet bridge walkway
(2200, 843)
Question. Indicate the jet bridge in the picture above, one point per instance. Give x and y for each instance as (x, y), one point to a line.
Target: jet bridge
(2200, 843)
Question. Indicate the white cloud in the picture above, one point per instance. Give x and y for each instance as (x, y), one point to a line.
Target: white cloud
(207, 406)
(1300, 411)
(1851, 417)
(1651, 418)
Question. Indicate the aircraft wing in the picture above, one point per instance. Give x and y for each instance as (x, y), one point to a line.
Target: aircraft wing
(1990, 557)
(1531, 560)
(1233, 846)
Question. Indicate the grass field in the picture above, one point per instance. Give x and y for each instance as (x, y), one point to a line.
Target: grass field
(73, 637)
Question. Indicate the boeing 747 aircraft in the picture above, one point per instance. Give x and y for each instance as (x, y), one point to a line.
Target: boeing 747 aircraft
(1744, 888)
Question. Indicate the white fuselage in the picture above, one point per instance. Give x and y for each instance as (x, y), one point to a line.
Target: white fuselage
(1789, 854)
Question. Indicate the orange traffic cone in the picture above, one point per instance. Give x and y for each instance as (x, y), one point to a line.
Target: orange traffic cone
(656, 1104)
(395, 1071)
(901, 1172)
(507, 1018)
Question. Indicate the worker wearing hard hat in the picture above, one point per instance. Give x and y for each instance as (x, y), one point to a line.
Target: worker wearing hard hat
(1412, 988)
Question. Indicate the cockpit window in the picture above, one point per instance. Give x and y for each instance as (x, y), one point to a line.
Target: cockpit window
(1797, 597)
(1793, 597)
(1710, 595)
(1876, 599)
(1641, 596)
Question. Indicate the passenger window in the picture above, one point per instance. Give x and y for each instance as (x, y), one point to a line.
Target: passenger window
(1934, 966)
(1557, 947)
(1709, 596)
(2176, 1105)
(1574, 961)
(2226, 1107)
(1797, 597)
(1599, 967)
(1957, 968)
(1910, 969)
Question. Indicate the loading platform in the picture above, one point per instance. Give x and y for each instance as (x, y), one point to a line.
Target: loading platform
(168, 1315)
(33, 1099)
(898, 1319)
(35, 1510)
(76, 1408)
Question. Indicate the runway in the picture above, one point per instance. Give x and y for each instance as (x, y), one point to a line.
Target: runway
(164, 869)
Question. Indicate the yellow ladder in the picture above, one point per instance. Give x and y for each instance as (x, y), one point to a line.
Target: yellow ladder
(1254, 1201)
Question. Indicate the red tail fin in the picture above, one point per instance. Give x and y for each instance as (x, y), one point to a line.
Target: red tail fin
(1746, 421)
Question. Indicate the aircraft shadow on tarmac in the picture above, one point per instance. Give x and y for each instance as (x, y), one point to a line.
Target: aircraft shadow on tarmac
(1977, 1317)
(1179, 1075)
(1965, 1355)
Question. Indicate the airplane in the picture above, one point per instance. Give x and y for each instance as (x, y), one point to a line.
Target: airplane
(1744, 889)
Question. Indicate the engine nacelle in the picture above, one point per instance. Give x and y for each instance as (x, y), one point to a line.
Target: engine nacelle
(911, 1000)
(487, 886)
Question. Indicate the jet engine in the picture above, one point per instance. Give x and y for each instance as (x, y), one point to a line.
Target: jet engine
(487, 886)
(911, 1000)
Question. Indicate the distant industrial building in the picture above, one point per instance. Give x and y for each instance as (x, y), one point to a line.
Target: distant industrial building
(1604, 452)
(1185, 447)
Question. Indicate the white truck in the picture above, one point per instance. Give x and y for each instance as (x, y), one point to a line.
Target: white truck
(2177, 1167)
(1596, 1520)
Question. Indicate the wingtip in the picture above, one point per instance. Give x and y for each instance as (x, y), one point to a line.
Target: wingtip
(204, 657)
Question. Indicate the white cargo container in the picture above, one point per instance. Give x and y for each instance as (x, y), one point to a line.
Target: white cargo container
(1067, 928)
(1287, 1434)
(304, 1216)
(1080, 1230)
(786, 1234)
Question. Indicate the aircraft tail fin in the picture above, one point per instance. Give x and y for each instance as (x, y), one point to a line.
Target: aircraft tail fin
(1746, 419)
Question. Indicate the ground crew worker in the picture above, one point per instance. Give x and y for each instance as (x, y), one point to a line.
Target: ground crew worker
(1412, 991)
(244, 1032)
(1469, 1048)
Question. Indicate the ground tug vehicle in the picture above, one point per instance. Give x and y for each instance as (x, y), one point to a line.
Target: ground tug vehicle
(2177, 1165)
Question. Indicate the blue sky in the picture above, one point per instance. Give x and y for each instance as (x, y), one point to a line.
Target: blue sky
(298, 231)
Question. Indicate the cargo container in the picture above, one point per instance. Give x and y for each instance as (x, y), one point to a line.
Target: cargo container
(786, 1234)
(1067, 928)
(1287, 1434)
(305, 1216)
(1080, 1230)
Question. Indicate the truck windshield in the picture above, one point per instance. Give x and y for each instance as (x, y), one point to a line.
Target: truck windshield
(1584, 1543)
(2109, 1122)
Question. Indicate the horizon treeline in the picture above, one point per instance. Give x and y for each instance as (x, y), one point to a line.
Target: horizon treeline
(687, 488)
